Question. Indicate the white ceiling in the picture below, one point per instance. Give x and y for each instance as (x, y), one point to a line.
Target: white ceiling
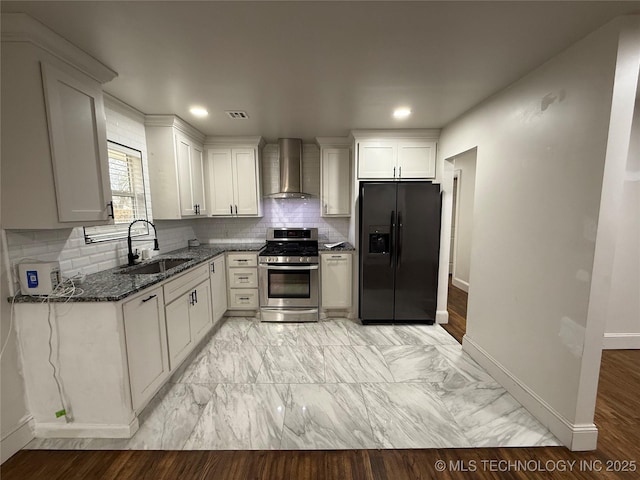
(307, 69)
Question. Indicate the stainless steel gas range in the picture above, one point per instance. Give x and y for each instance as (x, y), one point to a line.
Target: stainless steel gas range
(288, 276)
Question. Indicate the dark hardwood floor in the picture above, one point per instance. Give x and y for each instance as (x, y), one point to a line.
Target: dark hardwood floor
(457, 308)
(617, 417)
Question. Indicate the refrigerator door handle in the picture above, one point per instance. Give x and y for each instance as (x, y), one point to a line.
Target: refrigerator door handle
(399, 246)
(392, 227)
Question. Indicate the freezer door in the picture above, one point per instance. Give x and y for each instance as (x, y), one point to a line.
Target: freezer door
(377, 263)
(418, 250)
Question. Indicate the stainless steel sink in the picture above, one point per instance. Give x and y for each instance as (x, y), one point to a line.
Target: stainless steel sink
(157, 266)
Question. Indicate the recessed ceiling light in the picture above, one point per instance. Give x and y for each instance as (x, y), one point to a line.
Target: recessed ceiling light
(402, 112)
(199, 112)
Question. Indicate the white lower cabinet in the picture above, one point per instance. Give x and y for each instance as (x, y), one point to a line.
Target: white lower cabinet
(218, 279)
(146, 340)
(336, 274)
(200, 318)
(178, 329)
(188, 318)
(242, 274)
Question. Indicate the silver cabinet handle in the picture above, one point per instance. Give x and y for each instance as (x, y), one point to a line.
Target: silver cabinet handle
(394, 172)
(400, 171)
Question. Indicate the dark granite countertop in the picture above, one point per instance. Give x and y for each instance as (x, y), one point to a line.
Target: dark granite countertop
(343, 247)
(113, 285)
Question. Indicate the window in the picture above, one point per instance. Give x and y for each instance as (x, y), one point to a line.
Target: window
(127, 192)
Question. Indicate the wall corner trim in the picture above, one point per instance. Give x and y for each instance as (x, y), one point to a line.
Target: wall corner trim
(621, 341)
(90, 430)
(17, 438)
(442, 316)
(577, 437)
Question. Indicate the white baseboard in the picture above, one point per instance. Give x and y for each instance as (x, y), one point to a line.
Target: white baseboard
(621, 341)
(16, 439)
(85, 430)
(577, 437)
(461, 284)
(442, 316)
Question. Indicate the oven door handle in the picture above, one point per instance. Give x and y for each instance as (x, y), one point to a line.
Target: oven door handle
(289, 267)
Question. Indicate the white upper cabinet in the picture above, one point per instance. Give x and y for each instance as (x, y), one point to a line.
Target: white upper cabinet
(335, 177)
(232, 177)
(190, 162)
(416, 159)
(395, 157)
(176, 168)
(377, 159)
(55, 169)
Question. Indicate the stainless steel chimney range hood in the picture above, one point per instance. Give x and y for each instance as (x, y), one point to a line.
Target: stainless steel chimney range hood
(290, 159)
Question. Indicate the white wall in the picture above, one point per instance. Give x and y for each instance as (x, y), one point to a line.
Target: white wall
(540, 160)
(278, 213)
(623, 316)
(466, 164)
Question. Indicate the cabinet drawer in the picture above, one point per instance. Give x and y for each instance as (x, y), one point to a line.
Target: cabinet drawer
(189, 280)
(243, 299)
(336, 257)
(243, 278)
(242, 260)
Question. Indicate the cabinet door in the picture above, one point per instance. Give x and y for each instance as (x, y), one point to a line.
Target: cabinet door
(185, 174)
(200, 311)
(245, 182)
(220, 181)
(77, 135)
(336, 280)
(416, 159)
(336, 182)
(197, 179)
(178, 330)
(146, 340)
(377, 159)
(218, 288)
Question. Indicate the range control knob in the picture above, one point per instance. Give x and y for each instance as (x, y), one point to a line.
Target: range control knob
(301, 260)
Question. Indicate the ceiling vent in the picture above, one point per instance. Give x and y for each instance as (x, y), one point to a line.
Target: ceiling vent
(237, 114)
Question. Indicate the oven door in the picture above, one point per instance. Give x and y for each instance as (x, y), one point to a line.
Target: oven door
(288, 285)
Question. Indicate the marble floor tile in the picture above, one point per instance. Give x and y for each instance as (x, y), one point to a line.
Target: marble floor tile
(241, 417)
(323, 333)
(424, 335)
(416, 363)
(169, 422)
(490, 417)
(58, 444)
(287, 364)
(225, 362)
(462, 366)
(410, 415)
(276, 334)
(326, 416)
(373, 334)
(355, 364)
(234, 329)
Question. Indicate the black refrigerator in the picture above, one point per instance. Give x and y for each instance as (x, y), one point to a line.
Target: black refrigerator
(399, 251)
